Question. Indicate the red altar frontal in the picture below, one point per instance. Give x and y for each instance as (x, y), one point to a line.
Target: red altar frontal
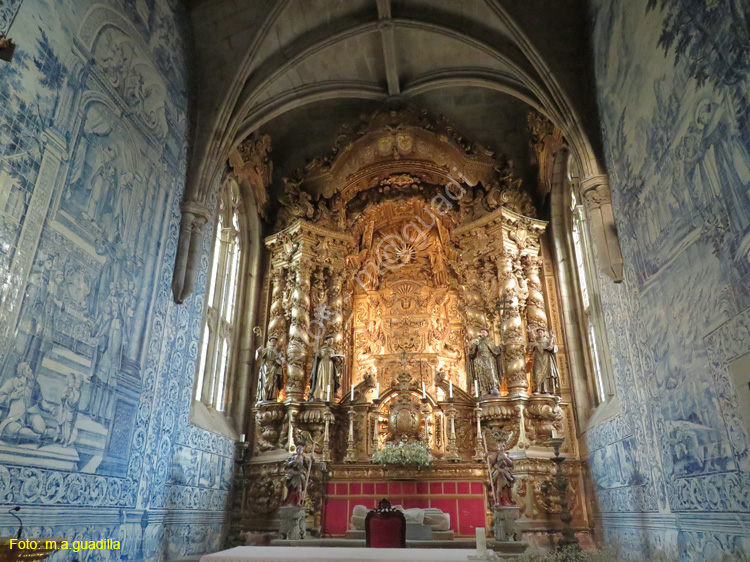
(463, 500)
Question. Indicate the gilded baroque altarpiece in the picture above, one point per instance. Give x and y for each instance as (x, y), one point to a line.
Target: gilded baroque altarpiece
(404, 243)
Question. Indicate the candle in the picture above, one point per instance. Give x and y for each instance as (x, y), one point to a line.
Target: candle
(481, 541)
(554, 433)
(352, 393)
(242, 438)
(328, 394)
(377, 391)
(476, 389)
(424, 392)
(450, 389)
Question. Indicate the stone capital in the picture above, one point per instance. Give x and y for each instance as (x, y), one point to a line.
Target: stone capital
(594, 182)
(598, 202)
(194, 218)
(197, 212)
(595, 191)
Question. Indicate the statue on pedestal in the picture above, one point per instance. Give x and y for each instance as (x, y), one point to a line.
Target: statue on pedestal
(485, 363)
(545, 376)
(292, 514)
(325, 374)
(501, 472)
(298, 466)
(270, 374)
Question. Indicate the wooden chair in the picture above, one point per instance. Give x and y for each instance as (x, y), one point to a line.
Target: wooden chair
(385, 527)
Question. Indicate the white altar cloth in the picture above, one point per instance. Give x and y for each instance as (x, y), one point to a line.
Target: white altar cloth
(332, 554)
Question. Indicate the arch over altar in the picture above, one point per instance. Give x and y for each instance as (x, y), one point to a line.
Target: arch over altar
(420, 253)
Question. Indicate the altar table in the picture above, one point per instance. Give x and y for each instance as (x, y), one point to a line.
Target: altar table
(326, 554)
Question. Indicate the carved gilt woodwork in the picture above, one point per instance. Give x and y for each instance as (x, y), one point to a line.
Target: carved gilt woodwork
(403, 242)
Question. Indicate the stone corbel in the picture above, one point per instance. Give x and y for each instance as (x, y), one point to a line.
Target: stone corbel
(194, 218)
(598, 201)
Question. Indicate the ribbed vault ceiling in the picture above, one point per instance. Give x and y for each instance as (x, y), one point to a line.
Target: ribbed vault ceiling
(298, 69)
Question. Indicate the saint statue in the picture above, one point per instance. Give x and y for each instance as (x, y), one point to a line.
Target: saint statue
(484, 362)
(545, 376)
(325, 375)
(297, 470)
(270, 374)
(501, 472)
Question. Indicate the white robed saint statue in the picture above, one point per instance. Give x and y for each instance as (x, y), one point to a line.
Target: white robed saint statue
(325, 374)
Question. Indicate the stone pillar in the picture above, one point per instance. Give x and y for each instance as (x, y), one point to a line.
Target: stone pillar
(536, 316)
(299, 325)
(505, 525)
(292, 524)
(598, 202)
(514, 364)
(194, 218)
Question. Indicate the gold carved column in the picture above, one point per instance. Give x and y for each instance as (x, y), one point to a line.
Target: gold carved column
(277, 323)
(299, 324)
(535, 308)
(514, 361)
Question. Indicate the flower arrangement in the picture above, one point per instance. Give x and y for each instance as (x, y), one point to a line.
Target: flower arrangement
(404, 454)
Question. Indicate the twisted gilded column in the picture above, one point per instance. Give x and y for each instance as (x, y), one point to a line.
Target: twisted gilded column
(514, 364)
(536, 316)
(299, 325)
(337, 305)
(277, 323)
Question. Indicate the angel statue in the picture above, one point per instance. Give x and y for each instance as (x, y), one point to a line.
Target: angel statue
(270, 374)
(485, 363)
(325, 375)
(501, 472)
(545, 376)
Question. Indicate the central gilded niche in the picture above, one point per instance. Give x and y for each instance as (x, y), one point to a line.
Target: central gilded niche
(405, 297)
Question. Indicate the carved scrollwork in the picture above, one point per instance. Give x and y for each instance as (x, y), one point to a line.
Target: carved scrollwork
(263, 493)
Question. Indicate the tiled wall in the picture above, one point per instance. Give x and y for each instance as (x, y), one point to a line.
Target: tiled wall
(673, 77)
(96, 361)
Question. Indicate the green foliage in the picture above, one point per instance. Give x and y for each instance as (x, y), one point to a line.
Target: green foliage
(404, 454)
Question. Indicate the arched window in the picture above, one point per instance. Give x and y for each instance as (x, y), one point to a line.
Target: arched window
(217, 344)
(593, 331)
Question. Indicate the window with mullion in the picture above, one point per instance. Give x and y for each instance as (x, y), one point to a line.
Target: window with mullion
(217, 343)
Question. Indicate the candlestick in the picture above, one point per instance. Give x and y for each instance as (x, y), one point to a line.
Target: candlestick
(351, 452)
(327, 416)
(476, 389)
(426, 417)
(479, 446)
(375, 432)
(451, 448)
(352, 393)
(450, 389)
(424, 392)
